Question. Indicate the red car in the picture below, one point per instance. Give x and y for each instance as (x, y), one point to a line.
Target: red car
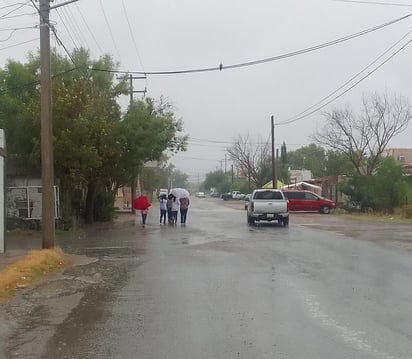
(300, 200)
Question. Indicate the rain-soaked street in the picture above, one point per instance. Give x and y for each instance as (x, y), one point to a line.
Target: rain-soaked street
(217, 288)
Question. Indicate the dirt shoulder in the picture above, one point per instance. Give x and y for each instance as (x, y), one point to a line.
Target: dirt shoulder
(383, 231)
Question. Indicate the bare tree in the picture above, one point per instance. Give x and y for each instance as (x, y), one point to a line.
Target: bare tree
(364, 138)
(251, 159)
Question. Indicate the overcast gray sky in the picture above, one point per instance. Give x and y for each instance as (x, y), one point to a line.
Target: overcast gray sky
(216, 107)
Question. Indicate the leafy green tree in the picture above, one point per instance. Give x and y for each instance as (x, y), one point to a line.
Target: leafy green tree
(311, 157)
(283, 167)
(180, 179)
(20, 114)
(96, 149)
(389, 186)
(384, 191)
(147, 131)
(337, 163)
(218, 180)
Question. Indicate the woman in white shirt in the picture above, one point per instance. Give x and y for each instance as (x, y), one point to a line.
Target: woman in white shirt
(175, 208)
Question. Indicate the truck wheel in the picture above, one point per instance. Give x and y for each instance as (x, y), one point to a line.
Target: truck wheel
(285, 221)
(325, 209)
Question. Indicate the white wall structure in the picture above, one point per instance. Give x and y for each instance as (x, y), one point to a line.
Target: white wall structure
(2, 205)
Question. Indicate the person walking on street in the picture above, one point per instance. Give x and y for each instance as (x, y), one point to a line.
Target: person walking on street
(169, 208)
(175, 209)
(184, 207)
(144, 213)
(163, 208)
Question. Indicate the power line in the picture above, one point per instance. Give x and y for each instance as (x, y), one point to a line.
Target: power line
(110, 30)
(35, 83)
(349, 81)
(18, 44)
(374, 3)
(12, 31)
(17, 16)
(76, 26)
(348, 89)
(268, 59)
(88, 28)
(132, 35)
(16, 9)
(68, 31)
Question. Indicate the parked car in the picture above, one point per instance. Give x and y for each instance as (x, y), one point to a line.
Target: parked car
(200, 194)
(300, 200)
(268, 205)
(215, 194)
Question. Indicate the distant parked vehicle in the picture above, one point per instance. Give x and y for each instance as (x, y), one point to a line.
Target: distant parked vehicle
(215, 194)
(232, 195)
(200, 194)
(163, 192)
(300, 200)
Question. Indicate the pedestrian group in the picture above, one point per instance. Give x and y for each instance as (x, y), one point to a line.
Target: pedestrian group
(170, 206)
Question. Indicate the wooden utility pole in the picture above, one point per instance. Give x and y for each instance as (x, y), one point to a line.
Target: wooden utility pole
(47, 170)
(46, 130)
(274, 180)
(132, 91)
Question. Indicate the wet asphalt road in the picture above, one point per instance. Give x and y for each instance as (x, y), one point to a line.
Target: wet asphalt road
(217, 288)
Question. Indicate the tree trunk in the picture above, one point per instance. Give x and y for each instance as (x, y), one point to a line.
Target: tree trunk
(133, 193)
(89, 211)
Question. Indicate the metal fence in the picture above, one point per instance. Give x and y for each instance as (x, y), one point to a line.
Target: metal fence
(25, 202)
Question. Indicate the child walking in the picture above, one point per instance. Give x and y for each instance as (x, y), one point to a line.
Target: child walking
(144, 213)
(163, 208)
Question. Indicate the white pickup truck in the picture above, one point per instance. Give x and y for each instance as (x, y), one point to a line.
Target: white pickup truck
(268, 205)
(232, 195)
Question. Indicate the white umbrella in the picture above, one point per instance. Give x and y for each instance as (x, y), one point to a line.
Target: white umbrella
(180, 192)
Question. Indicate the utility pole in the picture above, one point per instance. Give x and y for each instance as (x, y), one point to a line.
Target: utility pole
(248, 172)
(131, 78)
(134, 182)
(47, 170)
(274, 180)
(225, 163)
(46, 130)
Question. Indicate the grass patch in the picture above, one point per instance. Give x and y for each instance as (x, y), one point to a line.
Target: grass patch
(30, 269)
(377, 217)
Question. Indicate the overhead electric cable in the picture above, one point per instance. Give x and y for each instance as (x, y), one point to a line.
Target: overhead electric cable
(110, 30)
(351, 79)
(374, 3)
(132, 35)
(17, 16)
(348, 89)
(269, 59)
(18, 44)
(69, 32)
(88, 28)
(70, 16)
(16, 9)
(35, 83)
(12, 31)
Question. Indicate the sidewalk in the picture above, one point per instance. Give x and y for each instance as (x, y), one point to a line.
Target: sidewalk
(17, 246)
(10, 257)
